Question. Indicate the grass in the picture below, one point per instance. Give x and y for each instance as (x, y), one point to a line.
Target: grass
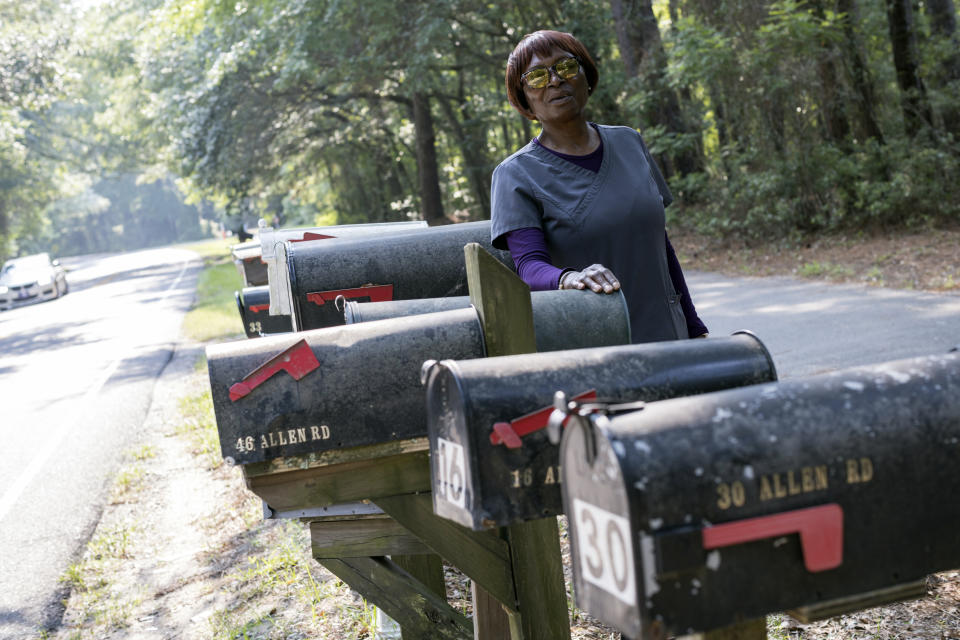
(214, 315)
(127, 482)
(199, 425)
(818, 269)
(280, 592)
(146, 452)
(98, 604)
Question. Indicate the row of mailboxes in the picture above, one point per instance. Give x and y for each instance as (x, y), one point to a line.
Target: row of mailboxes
(691, 514)
(257, 264)
(406, 265)
(700, 491)
(491, 461)
(359, 384)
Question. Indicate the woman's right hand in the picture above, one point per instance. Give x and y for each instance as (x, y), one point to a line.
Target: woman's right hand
(597, 277)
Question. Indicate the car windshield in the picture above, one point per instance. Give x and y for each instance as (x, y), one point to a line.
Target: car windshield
(20, 268)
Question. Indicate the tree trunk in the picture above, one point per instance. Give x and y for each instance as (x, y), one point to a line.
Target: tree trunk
(474, 159)
(859, 73)
(643, 55)
(431, 202)
(943, 26)
(4, 232)
(906, 59)
(834, 106)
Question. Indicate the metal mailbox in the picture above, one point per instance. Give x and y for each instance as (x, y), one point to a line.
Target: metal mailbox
(254, 306)
(694, 513)
(354, 312)
(567, 319)
(423, 264)
(269, 239)
(491, 461)
(349, 385)
(255, 259)
(247, 258)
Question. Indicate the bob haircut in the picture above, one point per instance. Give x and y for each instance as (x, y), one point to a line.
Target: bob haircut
(542, 43)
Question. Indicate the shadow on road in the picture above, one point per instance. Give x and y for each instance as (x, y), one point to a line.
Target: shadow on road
(144, 365)
(50, 337)
(89, 278)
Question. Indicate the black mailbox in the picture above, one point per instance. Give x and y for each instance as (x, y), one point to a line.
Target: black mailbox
(270, 239)
(248, 260)
(491, 461)
(354, 312)
(410, 265)
(694, 513)
(567, 319)
(350, 385)
(254, 306)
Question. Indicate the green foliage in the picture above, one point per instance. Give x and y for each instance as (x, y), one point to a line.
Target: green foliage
(214, 314)
(198, 424)
(788, 116)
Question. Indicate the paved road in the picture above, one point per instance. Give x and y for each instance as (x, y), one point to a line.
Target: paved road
(812, 327)
(76, 380)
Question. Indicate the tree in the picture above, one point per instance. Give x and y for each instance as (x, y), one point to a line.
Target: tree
(863, 91)
(644, 59)
(943, 28)
(906, 59)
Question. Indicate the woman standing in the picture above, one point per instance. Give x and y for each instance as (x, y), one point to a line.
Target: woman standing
(583, 204)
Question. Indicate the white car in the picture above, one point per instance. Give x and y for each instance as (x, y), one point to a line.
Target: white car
(31, 279)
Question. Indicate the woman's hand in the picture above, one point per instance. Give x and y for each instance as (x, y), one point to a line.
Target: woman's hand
(596, 276)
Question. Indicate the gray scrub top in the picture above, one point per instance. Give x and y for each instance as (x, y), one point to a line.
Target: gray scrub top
(614, 217)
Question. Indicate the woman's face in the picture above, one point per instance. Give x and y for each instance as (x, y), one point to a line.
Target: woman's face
(560, 99)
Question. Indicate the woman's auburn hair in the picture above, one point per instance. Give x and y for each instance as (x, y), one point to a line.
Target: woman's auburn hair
(542, 43)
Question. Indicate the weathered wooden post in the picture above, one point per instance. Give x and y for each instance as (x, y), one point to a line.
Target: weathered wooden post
(502, 301)
(517, 571)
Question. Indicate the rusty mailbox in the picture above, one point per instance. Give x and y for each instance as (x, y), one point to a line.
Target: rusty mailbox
(491, 461)
(355, 384)
(403, 266)
(254, 306)
(694, 513)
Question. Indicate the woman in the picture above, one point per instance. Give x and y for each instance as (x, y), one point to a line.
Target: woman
(583, 204)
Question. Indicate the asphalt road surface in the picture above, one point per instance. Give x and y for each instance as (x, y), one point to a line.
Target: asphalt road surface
(812, 327)
(76, 381)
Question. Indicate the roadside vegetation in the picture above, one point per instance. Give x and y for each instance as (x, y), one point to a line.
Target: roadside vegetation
(214, 314)
(132, 122)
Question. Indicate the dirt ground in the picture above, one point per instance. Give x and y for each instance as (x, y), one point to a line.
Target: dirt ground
(181, 550)
(927, 260)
